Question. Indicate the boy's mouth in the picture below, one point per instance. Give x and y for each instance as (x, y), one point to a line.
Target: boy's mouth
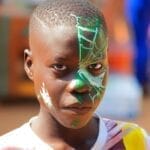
(78, 109)
(72, 105)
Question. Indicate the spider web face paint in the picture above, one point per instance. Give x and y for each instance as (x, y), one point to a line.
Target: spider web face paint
(92, 40)
(93, 82)
(93, 44)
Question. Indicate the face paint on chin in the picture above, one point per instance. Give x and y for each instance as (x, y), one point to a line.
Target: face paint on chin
(75, 123)
(44, 95)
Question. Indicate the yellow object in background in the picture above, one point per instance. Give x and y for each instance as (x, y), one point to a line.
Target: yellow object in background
(135, 139)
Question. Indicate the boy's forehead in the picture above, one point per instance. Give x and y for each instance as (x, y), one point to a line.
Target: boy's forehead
(82, 21)
(50, 34)
(88, 34)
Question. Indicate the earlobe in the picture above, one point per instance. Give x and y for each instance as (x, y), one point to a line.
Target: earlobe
(28, 63)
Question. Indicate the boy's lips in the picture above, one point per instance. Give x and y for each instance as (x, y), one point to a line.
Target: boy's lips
(78, 108)
(71, 104)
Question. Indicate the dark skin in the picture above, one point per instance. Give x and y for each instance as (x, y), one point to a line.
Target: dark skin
(64, 138)
(53, 60)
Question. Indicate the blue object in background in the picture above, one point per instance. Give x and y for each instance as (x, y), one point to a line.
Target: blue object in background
(138, 14)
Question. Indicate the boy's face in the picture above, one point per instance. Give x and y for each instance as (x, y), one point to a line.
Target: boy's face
(69, 69)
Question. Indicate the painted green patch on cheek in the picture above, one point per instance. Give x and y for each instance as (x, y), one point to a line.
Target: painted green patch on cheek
(94, 83)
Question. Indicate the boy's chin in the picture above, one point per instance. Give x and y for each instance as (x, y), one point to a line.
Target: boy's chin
(72, 126)
(76, 123)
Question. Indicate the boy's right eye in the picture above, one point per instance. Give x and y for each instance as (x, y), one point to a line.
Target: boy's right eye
(59, 67)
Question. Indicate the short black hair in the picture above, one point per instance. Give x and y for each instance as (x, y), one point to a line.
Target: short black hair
(58, 12)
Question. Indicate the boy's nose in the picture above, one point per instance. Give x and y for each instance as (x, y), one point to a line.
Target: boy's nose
(78, 86)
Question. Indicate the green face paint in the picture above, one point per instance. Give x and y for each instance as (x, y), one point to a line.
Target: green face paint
(75, 123)
(93, 44)
(93, 82)
(92, 40)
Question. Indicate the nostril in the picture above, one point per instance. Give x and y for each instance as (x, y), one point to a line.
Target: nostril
(78, 86)
(83, 90)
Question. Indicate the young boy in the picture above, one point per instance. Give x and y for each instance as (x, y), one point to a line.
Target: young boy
(68, 65)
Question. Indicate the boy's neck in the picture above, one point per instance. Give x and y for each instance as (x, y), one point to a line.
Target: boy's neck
(49, 130)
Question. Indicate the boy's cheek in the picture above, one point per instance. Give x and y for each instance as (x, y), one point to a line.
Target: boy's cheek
(49, 90)
(43, 95)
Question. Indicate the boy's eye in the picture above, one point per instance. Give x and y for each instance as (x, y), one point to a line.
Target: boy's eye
(95, 69)
(96, 66)
(59, 67)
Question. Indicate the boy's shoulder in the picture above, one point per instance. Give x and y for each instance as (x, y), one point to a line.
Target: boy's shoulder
(21, 138)
(13, 138)
(126, 135)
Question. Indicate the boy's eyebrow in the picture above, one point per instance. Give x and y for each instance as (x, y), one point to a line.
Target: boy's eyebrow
(58, 58)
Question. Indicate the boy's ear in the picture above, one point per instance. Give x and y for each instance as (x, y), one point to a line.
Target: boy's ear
(28, 63)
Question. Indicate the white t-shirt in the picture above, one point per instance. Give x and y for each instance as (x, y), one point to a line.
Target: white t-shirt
(23, 138)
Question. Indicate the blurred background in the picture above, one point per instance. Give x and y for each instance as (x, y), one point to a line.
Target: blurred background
(128, 92)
